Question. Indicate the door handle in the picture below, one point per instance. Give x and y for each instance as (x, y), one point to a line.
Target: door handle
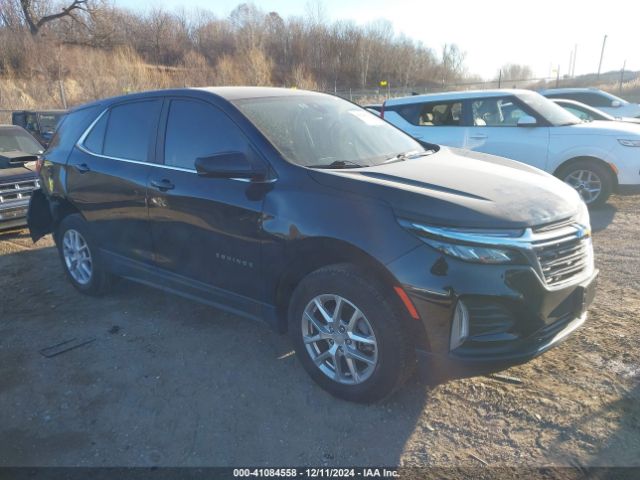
(479, 136)
(82, 168)
(162, 185)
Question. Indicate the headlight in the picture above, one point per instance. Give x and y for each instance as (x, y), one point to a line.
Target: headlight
(629, 143)
(461, 244)
(473, 253)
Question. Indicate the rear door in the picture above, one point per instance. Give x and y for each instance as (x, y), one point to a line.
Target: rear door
(440, 122)
(107, 177)
(494, 130)
(205, 230)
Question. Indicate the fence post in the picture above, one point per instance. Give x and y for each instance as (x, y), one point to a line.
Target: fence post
(63, 96)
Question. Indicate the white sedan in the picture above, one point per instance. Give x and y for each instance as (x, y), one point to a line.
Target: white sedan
(596, 158)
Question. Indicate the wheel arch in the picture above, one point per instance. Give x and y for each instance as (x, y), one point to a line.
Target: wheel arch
(573, 160)
(314, 253)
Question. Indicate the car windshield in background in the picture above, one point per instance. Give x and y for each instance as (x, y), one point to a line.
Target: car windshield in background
(553, 113)
(49, 121)
(319, 131)
(13, 140)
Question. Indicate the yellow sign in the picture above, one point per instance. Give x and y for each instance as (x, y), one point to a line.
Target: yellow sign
(383, 83)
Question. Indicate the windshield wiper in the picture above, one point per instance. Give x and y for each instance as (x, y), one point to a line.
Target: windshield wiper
(408, 155)
(338, 164)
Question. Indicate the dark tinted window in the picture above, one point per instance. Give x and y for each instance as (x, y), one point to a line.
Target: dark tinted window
(410, 112)
(195, 129)
(70, 129)
(95, 139)
(129, 130)
(588, 98)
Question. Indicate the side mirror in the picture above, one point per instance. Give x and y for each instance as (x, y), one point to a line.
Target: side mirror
(616, 103)
(527, 121)
(228, 165)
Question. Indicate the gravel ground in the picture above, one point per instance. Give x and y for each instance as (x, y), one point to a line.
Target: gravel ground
(168, 382)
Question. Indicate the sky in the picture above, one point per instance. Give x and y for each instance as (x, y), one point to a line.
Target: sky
(541, 34)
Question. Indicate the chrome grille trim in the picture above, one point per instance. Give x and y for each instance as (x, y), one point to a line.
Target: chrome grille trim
(18, 190)
(560, 256)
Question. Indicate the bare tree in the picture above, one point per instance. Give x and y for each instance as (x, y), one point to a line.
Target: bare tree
(32, 13)
(515, 71)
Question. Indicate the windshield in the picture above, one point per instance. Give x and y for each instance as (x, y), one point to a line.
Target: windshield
(314, 130)
(49, 122)
(551, 112)
(12, 140)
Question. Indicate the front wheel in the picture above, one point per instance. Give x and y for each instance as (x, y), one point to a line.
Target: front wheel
(349, 335)
(593, 181)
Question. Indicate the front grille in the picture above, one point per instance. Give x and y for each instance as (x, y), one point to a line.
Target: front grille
(564, 257)
(17, 190)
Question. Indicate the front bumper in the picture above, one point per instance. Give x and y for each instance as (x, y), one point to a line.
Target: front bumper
(513, 315)
(13, 214)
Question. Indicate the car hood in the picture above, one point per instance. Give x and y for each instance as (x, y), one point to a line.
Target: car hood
(461, 188)
(20, 171)
(599, 127)
(15, 159)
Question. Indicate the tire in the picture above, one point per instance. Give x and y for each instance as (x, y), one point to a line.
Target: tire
(381, 321)
(71, 231)
(581, 171)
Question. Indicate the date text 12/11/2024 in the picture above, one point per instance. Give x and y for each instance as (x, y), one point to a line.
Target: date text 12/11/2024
(315, 472)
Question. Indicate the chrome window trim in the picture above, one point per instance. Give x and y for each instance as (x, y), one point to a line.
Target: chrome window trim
(80, 144)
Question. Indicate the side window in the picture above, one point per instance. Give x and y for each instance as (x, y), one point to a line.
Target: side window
(582, 115)
(594, 99)
(496, 112)
(31, 123)
(196, 129)
(441, 114)
(410, 112)
(129, 129)
(95, 140)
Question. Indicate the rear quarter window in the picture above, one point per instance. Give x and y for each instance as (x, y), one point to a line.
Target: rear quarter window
(72, 126)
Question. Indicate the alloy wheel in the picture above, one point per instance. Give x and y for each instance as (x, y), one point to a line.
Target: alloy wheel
(77, 256)
(339, 339)
(587, 183)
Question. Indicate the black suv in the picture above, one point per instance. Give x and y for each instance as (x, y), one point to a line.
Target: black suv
(303, 210)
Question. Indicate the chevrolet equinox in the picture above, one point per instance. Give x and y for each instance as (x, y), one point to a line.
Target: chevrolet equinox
(374, 251)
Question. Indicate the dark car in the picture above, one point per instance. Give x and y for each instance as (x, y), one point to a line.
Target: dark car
(41, 124)
(18, 179)
(305, 211)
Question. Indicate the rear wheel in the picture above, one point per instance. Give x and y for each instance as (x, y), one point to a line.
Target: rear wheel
(349, 335)
(80, 257)
(592, 180)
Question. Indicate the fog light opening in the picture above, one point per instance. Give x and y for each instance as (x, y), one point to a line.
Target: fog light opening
(459, 326)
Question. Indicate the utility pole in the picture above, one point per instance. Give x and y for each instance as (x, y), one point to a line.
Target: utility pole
(622, 74)
(558, 76)
(570, 62)
(575, 54)
(604, 42)
(500, 79)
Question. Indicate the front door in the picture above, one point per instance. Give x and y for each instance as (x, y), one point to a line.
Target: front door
(206, 231)
(495, 131)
